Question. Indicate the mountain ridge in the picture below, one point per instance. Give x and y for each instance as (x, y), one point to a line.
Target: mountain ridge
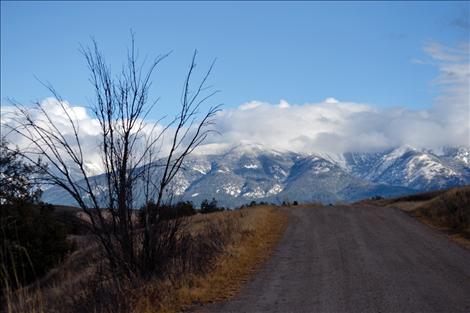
(239, 174)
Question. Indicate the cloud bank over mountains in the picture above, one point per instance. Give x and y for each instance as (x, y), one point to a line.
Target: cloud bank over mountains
(331, 125)
(337, 126)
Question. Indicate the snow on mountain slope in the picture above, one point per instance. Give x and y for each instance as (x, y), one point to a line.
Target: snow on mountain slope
(409, 167)
(240, 174)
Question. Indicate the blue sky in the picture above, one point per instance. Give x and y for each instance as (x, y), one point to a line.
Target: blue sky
(302, 52)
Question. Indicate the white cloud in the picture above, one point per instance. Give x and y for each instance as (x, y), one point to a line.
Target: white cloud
(88, 128)
(331, 100)
(440, 52)
(283, 104)
(285, 126)
(336, 126)
(249, 105)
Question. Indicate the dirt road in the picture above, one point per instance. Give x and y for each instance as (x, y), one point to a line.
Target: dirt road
(358, 259)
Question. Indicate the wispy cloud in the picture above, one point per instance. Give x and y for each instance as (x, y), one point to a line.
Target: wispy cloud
(440, 52)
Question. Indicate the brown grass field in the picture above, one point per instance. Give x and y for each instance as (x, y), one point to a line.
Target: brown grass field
(249, 236)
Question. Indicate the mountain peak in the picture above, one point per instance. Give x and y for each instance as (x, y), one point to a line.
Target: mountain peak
(239, 174)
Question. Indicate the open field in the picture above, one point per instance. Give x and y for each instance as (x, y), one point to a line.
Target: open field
(366, 257)
(245, 239)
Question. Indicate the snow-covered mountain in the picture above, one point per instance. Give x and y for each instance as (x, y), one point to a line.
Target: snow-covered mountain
(241, 174)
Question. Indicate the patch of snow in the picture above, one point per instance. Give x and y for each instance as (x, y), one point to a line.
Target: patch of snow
(256, 193)
(200, 169)
(231, 190)
(275, 190)
(399, 152)
(424, 167)
(463, 155)
(335, 158)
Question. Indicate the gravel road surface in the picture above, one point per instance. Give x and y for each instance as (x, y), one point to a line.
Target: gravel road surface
(358, 259)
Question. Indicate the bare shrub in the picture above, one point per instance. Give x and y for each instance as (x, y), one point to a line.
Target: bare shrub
(129, 148)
